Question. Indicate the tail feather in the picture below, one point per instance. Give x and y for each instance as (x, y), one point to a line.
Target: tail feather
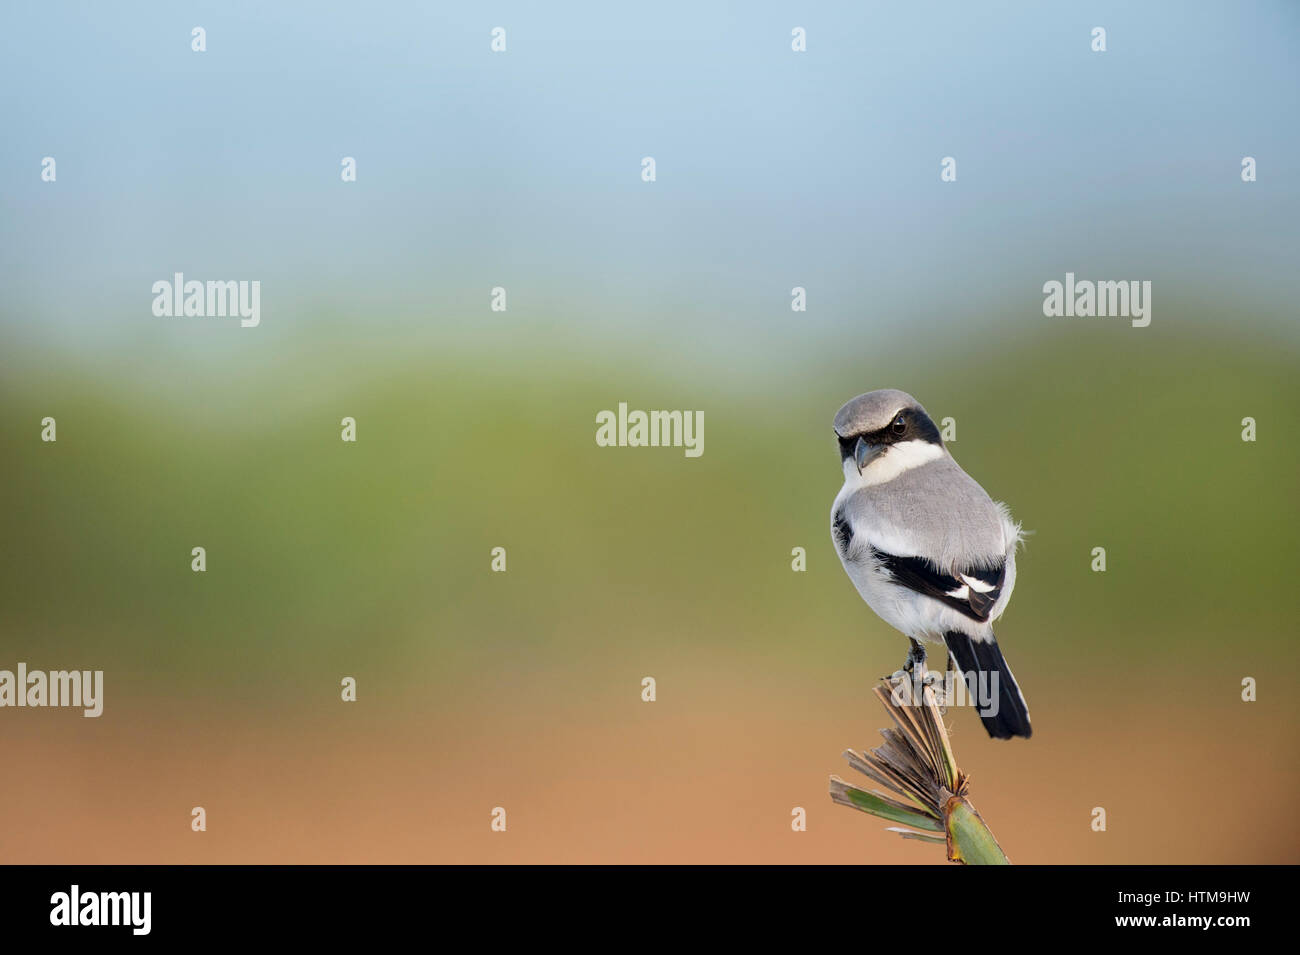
(983, 656)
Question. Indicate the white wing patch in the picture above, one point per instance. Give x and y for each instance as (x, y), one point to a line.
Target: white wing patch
(976, 585)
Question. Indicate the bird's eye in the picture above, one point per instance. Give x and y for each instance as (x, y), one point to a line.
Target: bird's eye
(899, 425)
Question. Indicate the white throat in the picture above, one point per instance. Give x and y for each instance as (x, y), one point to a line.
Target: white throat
(899, 458)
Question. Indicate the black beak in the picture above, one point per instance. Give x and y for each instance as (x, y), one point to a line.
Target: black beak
(863, 452)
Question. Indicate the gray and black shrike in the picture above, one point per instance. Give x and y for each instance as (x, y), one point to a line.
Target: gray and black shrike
(926, 547)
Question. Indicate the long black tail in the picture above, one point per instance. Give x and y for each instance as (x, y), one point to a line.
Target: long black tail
(982, 657)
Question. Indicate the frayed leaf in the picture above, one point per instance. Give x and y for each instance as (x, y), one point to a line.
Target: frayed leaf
(846, 795)
(915, 764)
(918, 836)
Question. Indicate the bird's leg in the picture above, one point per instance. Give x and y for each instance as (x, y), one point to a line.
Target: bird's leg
(921, 674)
(909, 673)
(915, 655)
(950, 665)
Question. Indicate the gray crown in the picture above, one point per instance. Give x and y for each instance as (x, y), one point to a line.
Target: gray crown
(872, 411)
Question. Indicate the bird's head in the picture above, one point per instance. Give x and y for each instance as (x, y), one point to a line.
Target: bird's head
(883, 433)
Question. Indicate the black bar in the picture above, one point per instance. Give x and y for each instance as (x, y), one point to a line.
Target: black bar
(987, 905)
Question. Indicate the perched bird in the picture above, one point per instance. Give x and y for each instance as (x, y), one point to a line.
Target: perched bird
(926, 547)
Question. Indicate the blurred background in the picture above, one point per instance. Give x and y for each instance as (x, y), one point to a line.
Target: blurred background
(476, 428)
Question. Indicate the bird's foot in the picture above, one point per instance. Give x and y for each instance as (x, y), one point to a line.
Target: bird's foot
(909, 675)
(915, 656)
(915, 674)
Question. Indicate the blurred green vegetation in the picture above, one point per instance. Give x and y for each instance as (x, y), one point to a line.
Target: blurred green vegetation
(326, 557)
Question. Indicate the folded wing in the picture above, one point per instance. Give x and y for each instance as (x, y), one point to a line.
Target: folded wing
(972, 590)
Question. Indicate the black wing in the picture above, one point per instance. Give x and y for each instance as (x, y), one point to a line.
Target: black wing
(973, 591)
(843, 533)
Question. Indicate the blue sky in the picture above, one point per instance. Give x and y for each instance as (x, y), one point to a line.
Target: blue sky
(521, 169)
